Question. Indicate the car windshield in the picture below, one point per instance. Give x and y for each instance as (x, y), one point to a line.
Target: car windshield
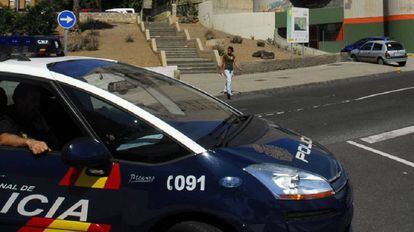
(188, 110)
(394, 46)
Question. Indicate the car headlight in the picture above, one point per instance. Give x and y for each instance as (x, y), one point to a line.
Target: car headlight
(288, 183)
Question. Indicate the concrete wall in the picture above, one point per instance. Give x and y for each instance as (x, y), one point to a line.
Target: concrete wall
(363, 8)
(232, 6)
(261, 25)
(205, 13)
(393, 7)
(109, 17)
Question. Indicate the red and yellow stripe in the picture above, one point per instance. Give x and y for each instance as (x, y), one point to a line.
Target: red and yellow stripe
(38, 224)
(78, 177)
(379, 19)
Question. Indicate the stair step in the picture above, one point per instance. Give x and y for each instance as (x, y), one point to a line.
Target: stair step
(197, 71)
(192, 65)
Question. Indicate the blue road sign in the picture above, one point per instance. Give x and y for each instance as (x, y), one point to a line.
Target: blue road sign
(66, 19)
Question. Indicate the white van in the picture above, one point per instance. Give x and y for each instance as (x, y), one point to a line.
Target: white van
(121, 10)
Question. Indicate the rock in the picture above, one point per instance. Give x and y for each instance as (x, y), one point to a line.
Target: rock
(268, 55)
(209, 35)
(261, 43)
(214, 43)
(237, 40)
(257, 54)
(264, 55)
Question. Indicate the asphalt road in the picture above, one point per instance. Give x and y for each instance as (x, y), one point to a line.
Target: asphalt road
(368, 123)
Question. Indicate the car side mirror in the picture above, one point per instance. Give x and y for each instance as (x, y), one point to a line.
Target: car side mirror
(86, 152)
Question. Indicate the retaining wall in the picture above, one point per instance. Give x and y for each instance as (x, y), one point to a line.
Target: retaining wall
(109, 17)
(274, 65)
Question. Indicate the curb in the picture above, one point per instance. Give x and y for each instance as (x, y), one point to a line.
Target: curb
(301, 86)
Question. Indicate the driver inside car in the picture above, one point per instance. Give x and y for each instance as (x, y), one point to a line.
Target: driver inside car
(22, 124)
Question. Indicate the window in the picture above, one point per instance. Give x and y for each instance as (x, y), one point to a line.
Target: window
(366, 47)
(36, 112)
(377, 47)
(187, 110)
(394, 46)
(127, 137)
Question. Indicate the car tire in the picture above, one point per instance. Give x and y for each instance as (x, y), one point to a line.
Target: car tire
(402, 64)
(193, 226)
(380, 61)
(354, 58)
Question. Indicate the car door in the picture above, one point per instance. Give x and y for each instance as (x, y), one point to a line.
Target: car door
(39, 192)
(377, 52)
(146, 156)
(365, 52)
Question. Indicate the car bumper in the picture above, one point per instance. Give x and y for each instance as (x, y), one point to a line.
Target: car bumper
(396, 60)
(337, 217)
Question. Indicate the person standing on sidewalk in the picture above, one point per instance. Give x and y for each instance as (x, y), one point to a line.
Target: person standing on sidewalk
(228, 63)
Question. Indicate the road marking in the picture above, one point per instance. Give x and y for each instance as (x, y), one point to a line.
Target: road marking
(395, 158)
(384, 93)
(389, 135)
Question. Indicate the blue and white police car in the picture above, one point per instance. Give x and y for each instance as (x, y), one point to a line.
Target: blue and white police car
(138, 151)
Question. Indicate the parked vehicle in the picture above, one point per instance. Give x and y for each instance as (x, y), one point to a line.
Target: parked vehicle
(138, 151)
(381, 52)
(362, 41)
(34, 46)
(121, 10)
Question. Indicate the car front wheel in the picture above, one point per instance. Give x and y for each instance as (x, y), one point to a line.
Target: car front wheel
(193, 226)
(402, 64)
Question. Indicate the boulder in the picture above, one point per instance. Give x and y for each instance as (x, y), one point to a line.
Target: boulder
(214, 43)
(237, 40)
(261, 43)
(264, 55)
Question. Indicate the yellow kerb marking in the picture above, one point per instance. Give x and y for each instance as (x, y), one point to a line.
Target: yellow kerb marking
(90, 181)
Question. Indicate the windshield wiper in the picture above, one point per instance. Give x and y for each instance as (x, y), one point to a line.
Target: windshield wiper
(229, 120)
(226, 137)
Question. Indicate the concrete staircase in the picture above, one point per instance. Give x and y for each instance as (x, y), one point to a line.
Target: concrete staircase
(178, 50)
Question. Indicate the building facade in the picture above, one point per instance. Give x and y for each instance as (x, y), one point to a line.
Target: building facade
(22, 4)
(345, 21)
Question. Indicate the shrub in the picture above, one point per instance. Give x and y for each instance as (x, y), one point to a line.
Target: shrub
(92, 24)
(209, 35)
(129, 38)
(7, 21)
(90, 43)
(36, 20)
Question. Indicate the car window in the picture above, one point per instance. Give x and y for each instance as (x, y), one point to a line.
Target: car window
(127, 136)
(394, 46)
(377, 47)
(32, 110)
(184, 108)
(366, 47)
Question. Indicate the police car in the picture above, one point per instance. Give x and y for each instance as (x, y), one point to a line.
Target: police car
(139, 151)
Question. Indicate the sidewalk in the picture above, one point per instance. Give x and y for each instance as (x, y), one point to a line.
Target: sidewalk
(214, 83)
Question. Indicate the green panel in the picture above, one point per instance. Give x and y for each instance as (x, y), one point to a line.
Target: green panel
(354, 32)
(281, 19)
(332, 47)
(326, 15)
(316, 16)
(401, 31)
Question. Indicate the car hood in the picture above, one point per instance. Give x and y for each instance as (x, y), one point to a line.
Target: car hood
(286, 148)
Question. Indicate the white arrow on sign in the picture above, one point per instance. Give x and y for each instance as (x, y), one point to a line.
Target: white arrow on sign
(67, 19)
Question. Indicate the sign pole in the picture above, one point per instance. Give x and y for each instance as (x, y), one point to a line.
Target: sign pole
(66, 19)
(65, 39)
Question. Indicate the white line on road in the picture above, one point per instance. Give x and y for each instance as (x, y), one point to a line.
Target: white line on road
(395, 158)
(384, 93)
(389, 135)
